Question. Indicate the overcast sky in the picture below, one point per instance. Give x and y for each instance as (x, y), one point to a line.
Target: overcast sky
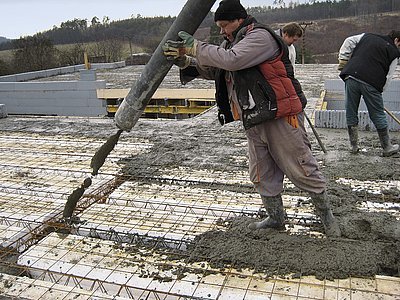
(27, 17)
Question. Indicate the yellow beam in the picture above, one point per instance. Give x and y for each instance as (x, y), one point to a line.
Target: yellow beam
(320, 101)
(192, 94)
(174, 110)
(87, 64)
(112, 93)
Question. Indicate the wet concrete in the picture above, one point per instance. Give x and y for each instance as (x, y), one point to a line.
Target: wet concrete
(73, 199)
(370, 240)
(279, 253)
(101, 154)
(96, 163)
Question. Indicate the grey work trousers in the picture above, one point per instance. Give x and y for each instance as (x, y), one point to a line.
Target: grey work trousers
(276, 148)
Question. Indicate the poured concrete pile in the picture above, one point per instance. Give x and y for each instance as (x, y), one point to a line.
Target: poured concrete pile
(167, 215)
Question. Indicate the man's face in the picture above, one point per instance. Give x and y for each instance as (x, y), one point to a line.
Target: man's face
(228, 27)
(289, 40)
(397, 42)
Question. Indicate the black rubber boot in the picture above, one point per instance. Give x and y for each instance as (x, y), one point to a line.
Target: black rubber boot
(275, 211)
(353, 135)
(324, 212)
(388, 148)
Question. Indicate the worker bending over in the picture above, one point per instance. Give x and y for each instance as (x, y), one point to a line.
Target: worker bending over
(367, 62)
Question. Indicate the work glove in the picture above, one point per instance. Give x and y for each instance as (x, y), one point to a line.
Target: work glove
(342, 63)
(175, 49)
(182, 62)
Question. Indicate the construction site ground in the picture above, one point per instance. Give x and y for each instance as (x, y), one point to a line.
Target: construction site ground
(167, 215)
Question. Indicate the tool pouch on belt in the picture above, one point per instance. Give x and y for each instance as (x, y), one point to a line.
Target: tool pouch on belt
(256, 97)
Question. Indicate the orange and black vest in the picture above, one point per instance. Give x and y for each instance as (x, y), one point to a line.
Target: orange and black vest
(272, 86)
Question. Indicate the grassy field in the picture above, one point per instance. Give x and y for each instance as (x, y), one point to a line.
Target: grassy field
(6, 55)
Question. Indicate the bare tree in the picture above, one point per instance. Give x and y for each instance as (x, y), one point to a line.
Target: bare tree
(107, 50)
(72, 55)
(34, 53)
(4, 68)
(280, 2)
(95, 21)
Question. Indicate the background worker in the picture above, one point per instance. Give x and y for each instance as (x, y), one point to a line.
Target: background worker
(291, 33)
(367, 62)
(255, 83)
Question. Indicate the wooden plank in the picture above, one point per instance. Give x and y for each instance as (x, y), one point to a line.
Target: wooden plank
(161, 94)
(166, 109)
(112, 93)
(184, 94)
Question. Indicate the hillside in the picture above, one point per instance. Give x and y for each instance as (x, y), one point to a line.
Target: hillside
(321, 42)
(324, 37)
(3, 39)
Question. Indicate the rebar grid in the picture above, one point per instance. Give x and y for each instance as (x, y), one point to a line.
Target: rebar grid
(40, 172)
(63, 157)
(258, 288)
(176, 213)
(167, 208)
(135, 272)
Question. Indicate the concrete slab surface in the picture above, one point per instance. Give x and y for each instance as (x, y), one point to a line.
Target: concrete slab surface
(165, 184)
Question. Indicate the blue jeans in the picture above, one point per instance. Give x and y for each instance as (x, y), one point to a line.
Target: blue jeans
(354, 89)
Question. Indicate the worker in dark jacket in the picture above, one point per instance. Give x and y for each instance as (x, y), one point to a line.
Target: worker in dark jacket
(367, 62)
(255, 83)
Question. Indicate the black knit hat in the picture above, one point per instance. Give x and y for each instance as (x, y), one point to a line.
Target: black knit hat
(230, 10)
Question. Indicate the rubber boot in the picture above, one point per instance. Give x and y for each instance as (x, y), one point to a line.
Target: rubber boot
(353, 135)
(324, 212)
(388, 148)
(276, 214)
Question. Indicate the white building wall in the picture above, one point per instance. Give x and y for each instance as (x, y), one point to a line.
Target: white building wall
(62, 98)
(334, 116)
(58, 71)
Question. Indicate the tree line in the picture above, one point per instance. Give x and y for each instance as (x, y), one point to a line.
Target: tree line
(107, 37)
(103, 41)
(289, 11)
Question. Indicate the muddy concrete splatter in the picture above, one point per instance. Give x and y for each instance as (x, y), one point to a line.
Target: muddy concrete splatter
(201, 143)
(279, 253)
(371, 240)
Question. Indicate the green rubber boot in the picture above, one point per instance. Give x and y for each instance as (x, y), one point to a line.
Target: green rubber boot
(276, 214)
(324, 212)
(353, 135)
(388, 148)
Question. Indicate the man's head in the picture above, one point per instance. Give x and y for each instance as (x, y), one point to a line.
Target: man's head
(292, 32)
(395, 36)
(229, 16)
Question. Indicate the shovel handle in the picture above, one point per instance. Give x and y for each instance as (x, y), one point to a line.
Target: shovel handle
(392, 115)
(315, 133)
